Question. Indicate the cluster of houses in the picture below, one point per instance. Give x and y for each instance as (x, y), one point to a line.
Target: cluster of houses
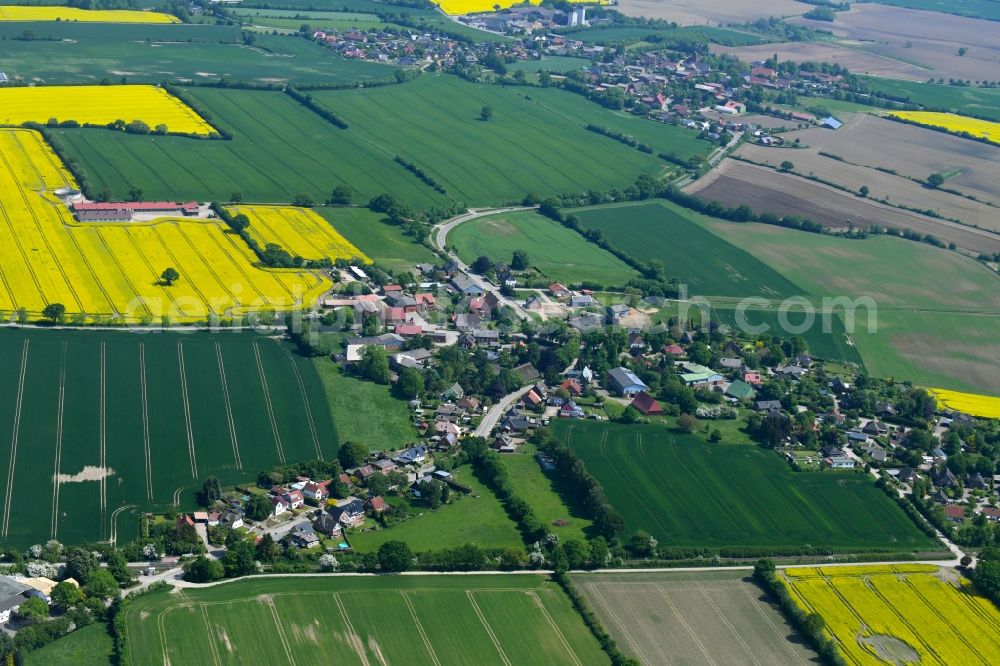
(528, 19)
(16, 589)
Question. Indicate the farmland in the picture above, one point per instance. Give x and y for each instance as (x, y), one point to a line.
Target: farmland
(878, 614)
(969, 403)
(855, 60)
(100, 105)
(650, 231)
(985, 9)
(953, 123)
(702, 617)
(375, 236)
(299, 231)
(768, 191)
(36, 13)
(833, 344)
(721, 12)
(687, 33)
(149, 53)
(106, 271)
(376, 620)
(279, 149)
(561, 254)
(957, 99)
(483, 162)
(688, 493)
(109, 421)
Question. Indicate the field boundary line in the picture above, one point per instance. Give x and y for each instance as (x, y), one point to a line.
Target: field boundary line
(602, 602)
(725, 621)
(281, 631)
(114, 522)
(187, 410)
(145, 421)
(486, 626)
(270, 406)
(760, 611)
(353, 636)
(305, 401)
(57, 463)
(13, 437)
(102, 434)
(211, 638)
(684, 623)
(229, 407)
(420, 628)
(555, 628)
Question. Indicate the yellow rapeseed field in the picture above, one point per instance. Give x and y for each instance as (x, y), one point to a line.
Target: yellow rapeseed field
(30, 13)
(300, 231)
(936, 619)
(454, 7)
(969, 403)
(100, 105)
(954, 123)
(110, 270)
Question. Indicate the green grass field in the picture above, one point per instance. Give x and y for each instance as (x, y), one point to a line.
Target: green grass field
(90, 645)
(536, 140)
(561, 254)
(279, 149)
(373, 235)
(688, 493)
(138, 421)
(701, 34)
(831, 345)
(983, 102)
(411, 620)
(541, 492)
(90, 52)
(555, 64)
(478, 518)
(661, 230)
(364, 411)
(985, 9)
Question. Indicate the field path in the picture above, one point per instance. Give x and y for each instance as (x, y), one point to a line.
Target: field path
(555, 628)
(281, 631)
(102, 435)
(270, 405)
(486, 626)
(13, 440)
(211, 636)
(770, 625)
(145, 421)
(684, 623)
(229, 407)
(305, 400)
(59, 436)
(729, 625)
(187, 411)
(420, 629)
(356, 642)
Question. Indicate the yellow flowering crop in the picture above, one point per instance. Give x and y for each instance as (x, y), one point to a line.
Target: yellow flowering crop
(112, 269)
(454, 7)
(954, 123)
(100, 105)
(300, 231)
(969, 403)
(32, 13)
(940, 621)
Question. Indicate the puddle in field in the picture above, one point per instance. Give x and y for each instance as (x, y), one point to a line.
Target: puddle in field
(890, 649)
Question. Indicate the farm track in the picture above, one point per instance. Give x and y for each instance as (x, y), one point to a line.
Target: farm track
(145, 421)
(59, 439)
(305, 402)
(14, 440)
(270, 405)
(102, 435)
(187, 411)
(229, 407)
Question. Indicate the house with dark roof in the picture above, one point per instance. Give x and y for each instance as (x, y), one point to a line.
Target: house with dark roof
(350, 512)
(328, 525)
(466, 285)
(12, 594)
(624, 382)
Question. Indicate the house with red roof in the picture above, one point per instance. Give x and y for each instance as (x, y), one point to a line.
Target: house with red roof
(377, 504)
(646, 404)
(572, 386)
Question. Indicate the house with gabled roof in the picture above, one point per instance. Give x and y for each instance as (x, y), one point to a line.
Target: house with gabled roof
(624, 382)
(646, 404)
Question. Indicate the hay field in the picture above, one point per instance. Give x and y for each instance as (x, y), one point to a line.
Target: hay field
(100, 105)
(718, 617)
(955, 124)
(985, 406)
(894, 189)
(766, 190)
(854, 59)
(914, 152)
(720, 12)
(404, 620)
(926, 39)
(111, 270)
(877, 614)
(107, 424)
(37, 13)
(300, 231)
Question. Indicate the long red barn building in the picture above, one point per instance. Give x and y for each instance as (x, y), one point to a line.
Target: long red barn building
(122, 211)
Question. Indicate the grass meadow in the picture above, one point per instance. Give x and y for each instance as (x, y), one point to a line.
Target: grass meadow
(561, 254)
(92, 644)
(688, 493)
(692, 617)
(371, 233)
(413, 620)
(545, 496)
(139, 420)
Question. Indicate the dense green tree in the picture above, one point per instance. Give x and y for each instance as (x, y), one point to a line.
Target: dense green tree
(341, 195)
(267, 550)
(65, 595)
(410, 383)
(258, 507)
(486, 112)
(102, 584)
(169, 276)
(394, 556)
(211, 490)
(80, 564)
(118, 566)
(352, 454)
(33, 610)
(203, 569)
(481, 264)
(519, 260)
(239, 560)
(935, 180)
(54, 312)
(374, 365)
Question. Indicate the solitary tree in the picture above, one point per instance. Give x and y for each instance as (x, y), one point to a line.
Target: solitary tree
(54, 311)
(211, 490)
(481, 264)
(519, 260)
(486, 112)
(935, 180)
(304, 200)
(787, 166)
(169, 276)
(258, 507)
(341, 195)
(863, 191)
(236, 197)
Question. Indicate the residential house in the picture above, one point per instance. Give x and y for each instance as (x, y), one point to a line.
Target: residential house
(991, 513)
(752, 377)
(328, 525)
(294, 499)
(767, 406)
(875, 428)
(466, 285)
(674, 350)
(303, 535)
(740, 390)
(316, 492)
(571, 410)
(943, 477)
(384, 466)
(231, 519)
(573, 387)
(558, 291)
(581, 301)
(646, 404)
(414, 454)
(454, 392)
(954, 513)
(376, 504)
(840, 462)
(617, 312)
(624, 382)
(350, 512)
(468, 403)
(584, 375)
(731, 363)
(504, 443)
(278, 506)
(527, 372)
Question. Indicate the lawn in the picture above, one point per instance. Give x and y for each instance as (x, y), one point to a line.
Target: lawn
(385, 243)
(562, 254)
(832, 344)
(698, 617)
(364, 411)
(554, 64)
(279, 149)
(542, 493)
(89, 645)
(698, 258)
(139, 421)
(536, 140)
(69, 52)
(958, 99)
(478, 518)
(686, 492)
(419, 620)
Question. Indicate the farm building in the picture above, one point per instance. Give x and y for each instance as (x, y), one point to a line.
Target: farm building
(624, 382)
(122, 211)
(646, 404)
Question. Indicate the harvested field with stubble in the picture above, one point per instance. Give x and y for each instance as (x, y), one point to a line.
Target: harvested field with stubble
(721, 12)
(768, 191)
(854, 59)
(894, 189)
(699, 617)
(914, 152)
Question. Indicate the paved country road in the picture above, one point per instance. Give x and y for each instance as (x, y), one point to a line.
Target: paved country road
(489, 421)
